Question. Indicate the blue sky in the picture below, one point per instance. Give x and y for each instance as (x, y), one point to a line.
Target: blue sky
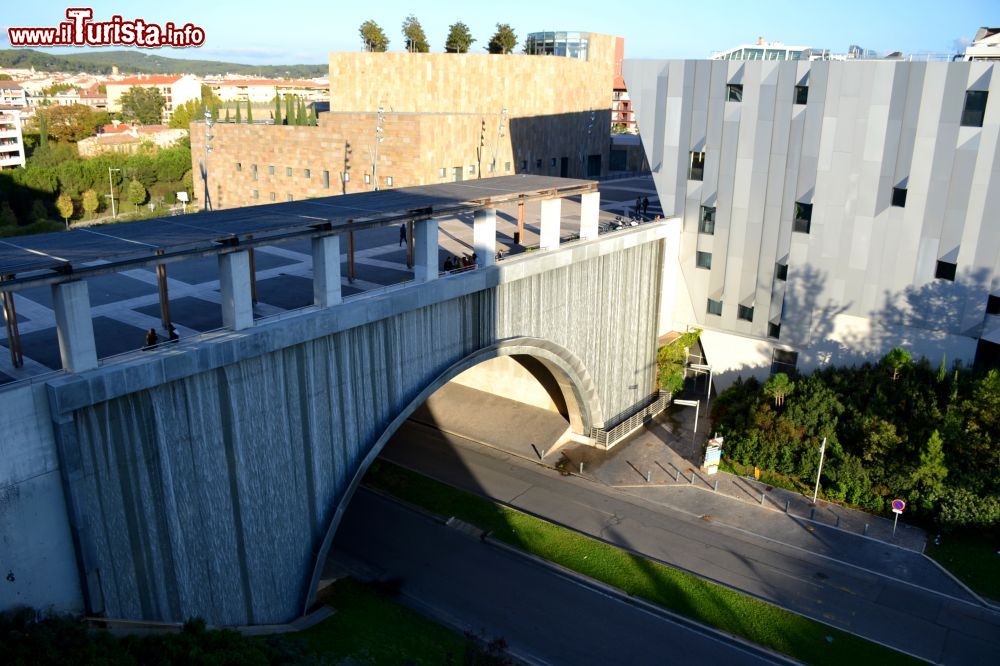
(293, 31)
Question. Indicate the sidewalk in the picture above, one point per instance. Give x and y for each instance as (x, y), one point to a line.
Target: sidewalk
(666, 456)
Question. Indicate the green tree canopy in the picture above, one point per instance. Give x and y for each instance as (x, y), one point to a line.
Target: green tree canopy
(670, 360)
(778, 386)
(897, 359)
(373, 37)
(413, 34)
(928, 477)
(70, 123)
(239, 119)
(64, 204)
(136, 193)
(90, 202)
(277, 110)
(142, 105)
(459, 38)
(504, 40)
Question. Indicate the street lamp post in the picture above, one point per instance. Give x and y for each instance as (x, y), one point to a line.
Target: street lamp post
(822, 450)
(379, 136)
(208, 149)
(111, 184)
(501, 130)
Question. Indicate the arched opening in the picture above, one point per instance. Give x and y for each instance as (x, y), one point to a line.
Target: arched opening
(560, 376)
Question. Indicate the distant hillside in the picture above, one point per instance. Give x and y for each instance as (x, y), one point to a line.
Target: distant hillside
(135, 62)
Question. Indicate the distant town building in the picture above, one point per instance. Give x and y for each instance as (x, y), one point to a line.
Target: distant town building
(263, 91)
(11, 142)
(176, 90)
(444, 117)
(985, 45)
(12, 94)
(128, 139)
(764, 50)
(94, 98)
(621, 103)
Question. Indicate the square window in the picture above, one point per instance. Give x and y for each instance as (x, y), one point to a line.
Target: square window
(703, 259)
(270, 170)
(801, 96)
(472, 169)
(442, 172)
(774, 330)
(553, 161)
(326, 179)
(288, 171)
(253, 171)
(899, 196)
(288, 198)
(745, 313)
(524, 165)
(239, 166)
(307, 173)
(347, 177)
(696, 166)
(706, 221)
(734, 92)
(714, 308)
(256, 194)
(803, 217)
(781, 271)
(784, 361)
(975, 108)
(506, 166)
(538, 163)
(272, 196)
(388, 181)
(368, 179)
(489, 167)
(993, 305)
(945, 270)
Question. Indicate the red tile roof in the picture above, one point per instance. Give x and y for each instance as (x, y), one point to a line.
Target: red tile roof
(268, 82)
(147, 80)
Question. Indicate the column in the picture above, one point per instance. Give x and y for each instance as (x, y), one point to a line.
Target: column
(590, 211)
(75, 327)
(326, 271)
(548, 234)
(425, 250)
(484, 236)
(234, 283)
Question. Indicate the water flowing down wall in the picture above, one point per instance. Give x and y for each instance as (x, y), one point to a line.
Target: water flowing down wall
(210, 494)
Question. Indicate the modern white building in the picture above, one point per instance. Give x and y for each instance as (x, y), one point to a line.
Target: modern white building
(985, 45)
(12, 105)
(830, 210)
(176, 90)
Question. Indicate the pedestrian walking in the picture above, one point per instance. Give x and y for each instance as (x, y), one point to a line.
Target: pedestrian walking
(152, 339)
(172, 334)
(447, 265)
(402, 234)
(645, 206)
(638, 206)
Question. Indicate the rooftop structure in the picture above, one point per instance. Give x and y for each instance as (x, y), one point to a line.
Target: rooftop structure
(985, 45)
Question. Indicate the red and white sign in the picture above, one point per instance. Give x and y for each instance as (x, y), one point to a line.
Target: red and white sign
(898, 505)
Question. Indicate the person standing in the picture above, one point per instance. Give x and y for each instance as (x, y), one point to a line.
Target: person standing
(645, 206)
(402, 234)
(638, 206)
(151, 339)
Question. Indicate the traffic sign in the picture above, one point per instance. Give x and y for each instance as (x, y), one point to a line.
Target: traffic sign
(898, 505)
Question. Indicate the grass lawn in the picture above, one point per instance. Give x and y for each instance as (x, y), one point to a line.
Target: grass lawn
(974, 557)
(370, 628)
(686, 594)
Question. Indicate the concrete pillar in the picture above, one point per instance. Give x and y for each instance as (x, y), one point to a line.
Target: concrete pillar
(590, 211)
(234, 283)
(548, 234)
(484, 236)
(326, 271)
(75, 327)
(425, 250)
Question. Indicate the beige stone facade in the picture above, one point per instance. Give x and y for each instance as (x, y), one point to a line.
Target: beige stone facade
(441, 114)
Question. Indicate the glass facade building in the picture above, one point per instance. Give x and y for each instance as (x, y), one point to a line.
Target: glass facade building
(566, 44)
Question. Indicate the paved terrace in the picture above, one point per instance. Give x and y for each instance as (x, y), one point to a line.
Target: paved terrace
(162, 272)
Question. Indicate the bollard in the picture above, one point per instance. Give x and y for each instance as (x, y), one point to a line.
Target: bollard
(762, 499)
(786, 506)
(648, 475)
(866, 529)
(581, 467)
(716, 485)
(838, 521)
(692, 478)
(812, 513)
(677, 475)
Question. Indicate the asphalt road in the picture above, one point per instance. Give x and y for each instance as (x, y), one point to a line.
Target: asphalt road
(894, 611)
(546, 617)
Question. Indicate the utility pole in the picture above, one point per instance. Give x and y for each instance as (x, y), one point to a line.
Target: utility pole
(111, 184)
(822, 450)
(208, 149)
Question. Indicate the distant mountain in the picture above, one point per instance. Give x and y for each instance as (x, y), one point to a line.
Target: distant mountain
(135, 62)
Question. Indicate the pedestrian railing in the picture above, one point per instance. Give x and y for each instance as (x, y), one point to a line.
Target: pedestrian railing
(639, 416)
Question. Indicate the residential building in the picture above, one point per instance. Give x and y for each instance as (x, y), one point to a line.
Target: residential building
(11, 141)
(176, 90)
(94, 98)
(263, 91)
(443, 117)
(764, 50)
(128, 139)
(12, 95)
(621, 104)
(985, 45)
(831, 210)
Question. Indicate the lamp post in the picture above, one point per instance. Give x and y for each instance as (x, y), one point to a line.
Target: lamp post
(586, 146)
(208, 149)
(111, 184)
(379, 136)
(822, 450)
(501, 131)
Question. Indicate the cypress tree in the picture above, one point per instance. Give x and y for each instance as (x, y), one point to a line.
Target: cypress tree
(300, 113)
(289, 112)
(239, 119)
(249, 113)
(277, 109)
(227, 114)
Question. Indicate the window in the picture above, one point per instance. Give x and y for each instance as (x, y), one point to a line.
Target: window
(288, 198)
(899, 196)
(703, 259)
(272, 196)
(773, 330)
(696, 168)
(239, 166)
(326, 179)
(388, 181)
(307, 173)
(489, 167)
(553, 162)
(256, 194)
(734, 92)
(945, 270)
(781, 271)
(706, 221)
(801, 96)
(993, 305)
(472, 169)
(538, 163)
(803, 217)
(368, 179)
(784, 361)
(347, 177)
(524, 165)
(745, 313)
(288, 171)
(253, 171)
(506, 166)
(270, 170)
(442, 172)
(714, 307)
(975, 108)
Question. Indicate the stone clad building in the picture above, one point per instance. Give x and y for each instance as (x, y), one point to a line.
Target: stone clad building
(445, 117)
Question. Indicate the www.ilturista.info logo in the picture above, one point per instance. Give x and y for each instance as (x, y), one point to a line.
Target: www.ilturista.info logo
(79, 30)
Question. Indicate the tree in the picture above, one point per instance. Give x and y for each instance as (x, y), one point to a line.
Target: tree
(373, 37)
(413, 33)
(69, 123)
(897, 359)
(928, 477)
(227, 115)
(670, 361)
(504, 40)
(277, 109)
(90, 202)
(249, 113)
(778, 386)
(43, 130)
(39, 213)
(459, 38)
(191, 111)
(142, 105)
(64, 204)
(943, 368)
(238, 118)
(136, 193)
(7, 216)
(289, 111)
